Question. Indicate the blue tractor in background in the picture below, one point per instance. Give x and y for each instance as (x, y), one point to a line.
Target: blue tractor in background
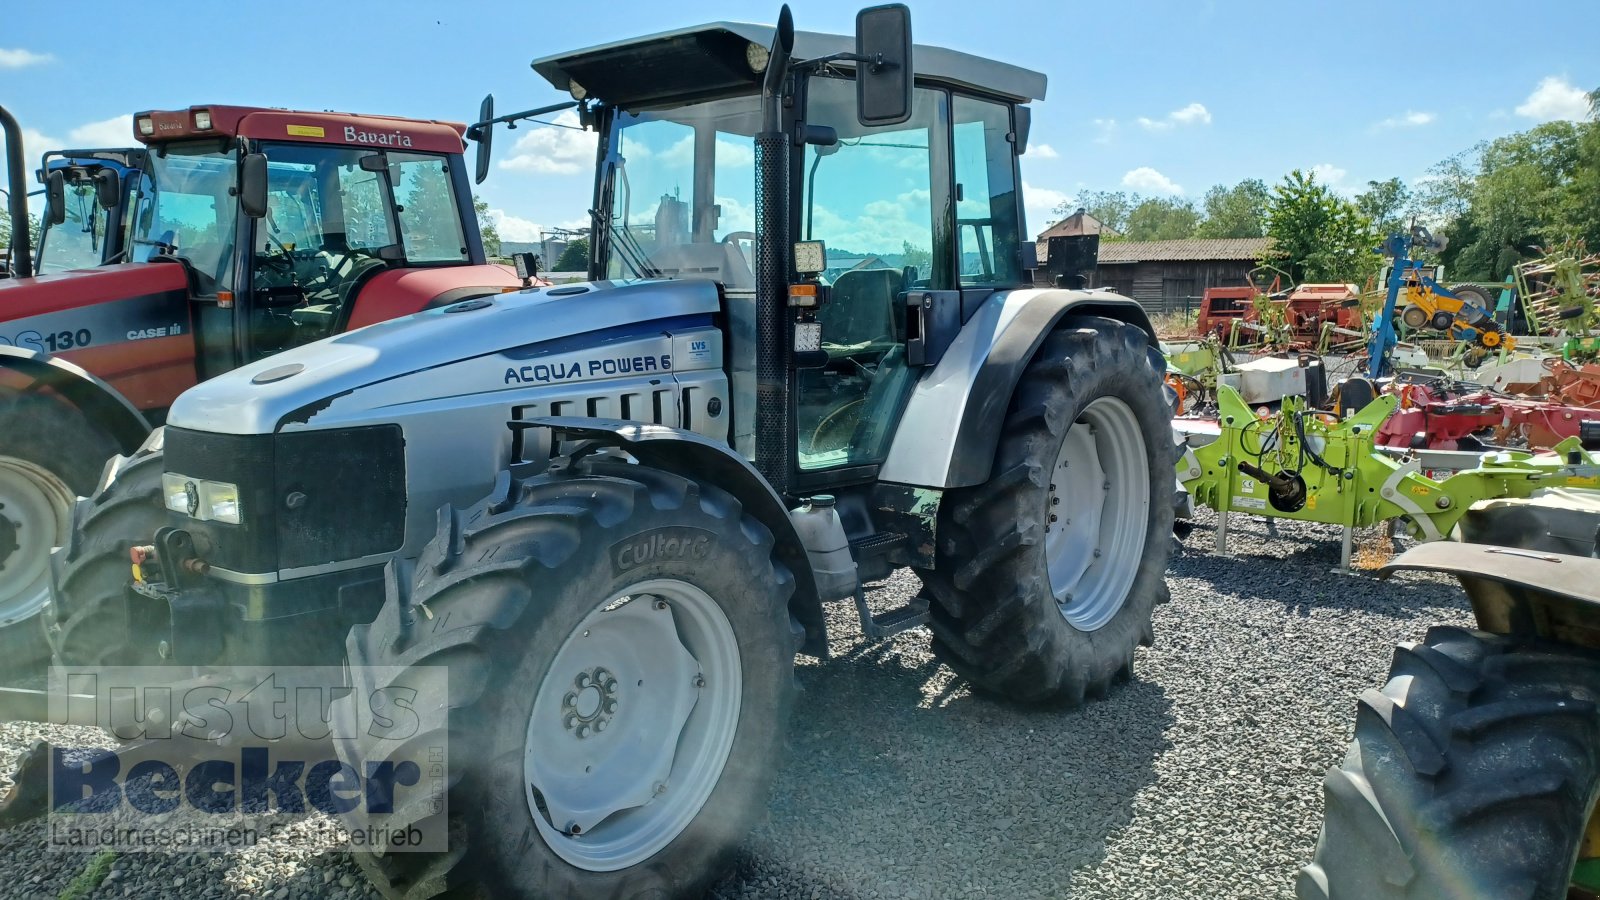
(89, 198)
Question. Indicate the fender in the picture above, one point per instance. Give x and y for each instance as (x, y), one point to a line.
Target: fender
(951, 425)
(696, 456)
(96, 399)
(1517, 591)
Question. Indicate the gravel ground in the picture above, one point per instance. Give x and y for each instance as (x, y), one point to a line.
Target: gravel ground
(1200, 778)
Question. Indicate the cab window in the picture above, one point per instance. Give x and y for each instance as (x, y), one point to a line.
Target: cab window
(430, 223)
(986, 193)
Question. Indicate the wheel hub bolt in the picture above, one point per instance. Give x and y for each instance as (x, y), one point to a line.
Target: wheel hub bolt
(587, 709)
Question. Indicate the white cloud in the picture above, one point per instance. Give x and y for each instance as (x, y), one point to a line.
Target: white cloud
(116, 131)
(1107, 129)
(553, 151)
(19, 58)
(1329, 175)
(514, 228)
(1555, 98)
(1411, 119)
(1193, 114)
(1043, 151)
(1145, 178)
(1040, 205)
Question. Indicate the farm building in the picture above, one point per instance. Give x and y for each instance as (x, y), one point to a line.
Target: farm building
(1167, 275)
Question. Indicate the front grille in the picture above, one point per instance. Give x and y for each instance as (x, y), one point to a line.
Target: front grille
(349, 494)
(307, 497)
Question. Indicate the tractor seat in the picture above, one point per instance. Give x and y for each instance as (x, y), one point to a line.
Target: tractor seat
(862, 310)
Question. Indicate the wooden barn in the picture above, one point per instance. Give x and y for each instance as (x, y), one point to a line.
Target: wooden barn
(1172, 275)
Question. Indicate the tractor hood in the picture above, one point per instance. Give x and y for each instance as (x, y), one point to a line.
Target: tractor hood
(497, 337)
(26, 302)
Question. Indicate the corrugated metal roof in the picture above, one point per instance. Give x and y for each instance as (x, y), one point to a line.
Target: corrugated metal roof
(1190, 250)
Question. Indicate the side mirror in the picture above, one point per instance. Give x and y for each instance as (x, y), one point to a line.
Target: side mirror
(107, 188)
(483, 133)
(55, 190)
(884, 72)
(253, 185)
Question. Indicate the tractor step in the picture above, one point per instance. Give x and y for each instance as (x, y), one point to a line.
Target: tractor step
(876, 543)
(878, 627)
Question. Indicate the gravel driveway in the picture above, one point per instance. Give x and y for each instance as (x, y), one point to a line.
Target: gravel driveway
(1201, 778)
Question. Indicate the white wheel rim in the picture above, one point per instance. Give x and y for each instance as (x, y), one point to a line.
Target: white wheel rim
(35, 513)
(632, 725)
(1097, 510)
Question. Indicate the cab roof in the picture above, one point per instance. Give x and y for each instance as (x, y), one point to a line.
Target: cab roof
(702, 61)
(267, 123)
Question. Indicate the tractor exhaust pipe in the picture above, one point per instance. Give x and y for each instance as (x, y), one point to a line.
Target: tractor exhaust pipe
(17, 198)
(773, 347)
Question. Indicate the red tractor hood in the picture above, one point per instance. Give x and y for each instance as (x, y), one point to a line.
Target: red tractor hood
(21, 298)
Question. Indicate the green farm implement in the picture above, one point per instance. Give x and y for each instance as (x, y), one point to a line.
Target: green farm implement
(1301, 463)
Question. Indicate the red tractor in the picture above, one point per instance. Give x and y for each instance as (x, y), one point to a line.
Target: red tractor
(254, 230)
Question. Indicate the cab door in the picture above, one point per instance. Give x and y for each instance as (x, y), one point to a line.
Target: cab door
(880, 199)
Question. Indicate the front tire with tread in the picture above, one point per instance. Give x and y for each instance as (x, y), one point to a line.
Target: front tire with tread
(494, 597)
(86, 619)
(1473, 773)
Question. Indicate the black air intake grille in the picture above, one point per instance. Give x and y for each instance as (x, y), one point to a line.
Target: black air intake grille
(353, 482)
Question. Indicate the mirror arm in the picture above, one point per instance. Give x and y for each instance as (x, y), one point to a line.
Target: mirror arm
(476, 129)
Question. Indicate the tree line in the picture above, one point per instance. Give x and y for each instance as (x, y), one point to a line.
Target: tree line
(1498, 203)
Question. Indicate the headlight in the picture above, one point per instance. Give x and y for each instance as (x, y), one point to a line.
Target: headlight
(208, 501)
(147, 126)
(202, 120)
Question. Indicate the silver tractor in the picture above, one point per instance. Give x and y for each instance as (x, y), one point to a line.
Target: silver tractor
(809, 354)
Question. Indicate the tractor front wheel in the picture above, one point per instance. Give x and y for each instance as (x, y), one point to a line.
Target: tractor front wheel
(86, 620)
(619, 659)
(1473, 773)
(1047, 574)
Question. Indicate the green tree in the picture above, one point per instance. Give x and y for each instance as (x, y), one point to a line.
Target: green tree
(919, 257)
(1236, 212)
(1317, 235)
(1532, 188)
(1110, 208)
(1387, 203)
(1161, 219)
(491, 235)
(575, 258)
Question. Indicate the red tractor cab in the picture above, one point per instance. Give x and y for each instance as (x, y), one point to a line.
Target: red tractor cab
(253, 230)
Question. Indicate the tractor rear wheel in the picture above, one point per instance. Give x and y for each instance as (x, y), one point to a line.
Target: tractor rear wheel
(50, 454)
(1047, 573)
(1473, 773)
(85, 620)
(620, 666)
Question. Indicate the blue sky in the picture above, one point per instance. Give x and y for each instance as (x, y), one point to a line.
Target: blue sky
(1158, 97)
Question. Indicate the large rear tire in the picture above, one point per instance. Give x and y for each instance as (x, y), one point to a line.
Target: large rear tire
(1473, 773)
(525, 598)
(1047, 574)
(86, 621)
(50, 454)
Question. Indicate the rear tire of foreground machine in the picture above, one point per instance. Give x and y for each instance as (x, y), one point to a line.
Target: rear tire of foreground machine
(608, 630)
(1473, 774)
(50, 454)
(85, 620)
(1047, 573)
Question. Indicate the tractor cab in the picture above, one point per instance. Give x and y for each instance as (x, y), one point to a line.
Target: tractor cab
(89, 194)
(281, 217)
(879, 183)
